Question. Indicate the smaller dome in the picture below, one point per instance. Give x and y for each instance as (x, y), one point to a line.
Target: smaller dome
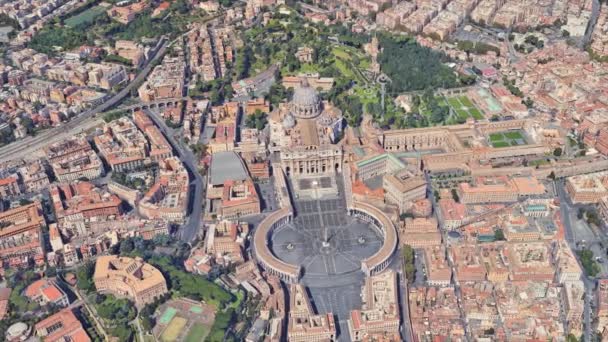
(17, 329)
(289, 121)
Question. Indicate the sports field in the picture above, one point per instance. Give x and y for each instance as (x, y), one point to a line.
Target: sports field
(505, 139)
(197, 333)
(183, 320)
(167, 315)
(174, 329)
(85, 17)
(464, 108)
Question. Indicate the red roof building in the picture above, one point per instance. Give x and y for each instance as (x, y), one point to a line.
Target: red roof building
(45, 291)
(62, 326)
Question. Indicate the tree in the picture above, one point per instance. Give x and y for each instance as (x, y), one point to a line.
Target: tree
(352, 108)
(408, 261)
(403, 216)
(256, 120)
(111, 116)
(593, 218)
(589, 264)
(6, 20)
(580, 214)
(65, 37)
(189, 285)
(222, 321)
(126, 246)
(118, 312)
(413, 67)
(476, 47)
(467, 80)
(455, 195)
(557, 152)
(528, 102)
(571, 338)
(24, 201)
(278, 93)
(243, 62)
(84, 276)
(499, 235)
(509, 84)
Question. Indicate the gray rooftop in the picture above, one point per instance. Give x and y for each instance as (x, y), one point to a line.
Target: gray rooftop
(226, 166)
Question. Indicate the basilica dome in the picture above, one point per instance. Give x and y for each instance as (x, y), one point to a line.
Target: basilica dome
(306, 103)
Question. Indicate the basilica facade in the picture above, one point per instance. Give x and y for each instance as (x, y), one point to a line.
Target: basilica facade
(305, 133)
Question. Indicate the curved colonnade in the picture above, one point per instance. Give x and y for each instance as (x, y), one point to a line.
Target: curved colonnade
(291, 273)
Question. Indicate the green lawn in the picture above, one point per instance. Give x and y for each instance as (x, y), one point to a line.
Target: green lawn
(454, 102)
(240, 296)
(197, 333)
(509, 138)
(349, 62)
(463, 114)
(341, 52)
(538, 162)
(344, 68)
(364, 63)
(347, 53)
(513, 135)
(466, 102)
(85, 17)
(476, 113)
(465, 108)
(309, 68)
(499, 144)
(367, 94)
(496, 137)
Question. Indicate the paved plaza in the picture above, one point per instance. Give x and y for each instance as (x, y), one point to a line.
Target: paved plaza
(301, 242)
(331, 272)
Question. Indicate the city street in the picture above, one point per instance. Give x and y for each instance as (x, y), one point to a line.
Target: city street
(406, 323)
(191, 230)
(577, 231)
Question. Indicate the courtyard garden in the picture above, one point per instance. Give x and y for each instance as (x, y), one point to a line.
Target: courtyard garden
(464, 108)
(506, 139)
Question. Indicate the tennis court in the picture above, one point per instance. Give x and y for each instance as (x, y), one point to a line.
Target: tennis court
(167, 316)
(196, 309)
(183, 320)
(491, 103)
